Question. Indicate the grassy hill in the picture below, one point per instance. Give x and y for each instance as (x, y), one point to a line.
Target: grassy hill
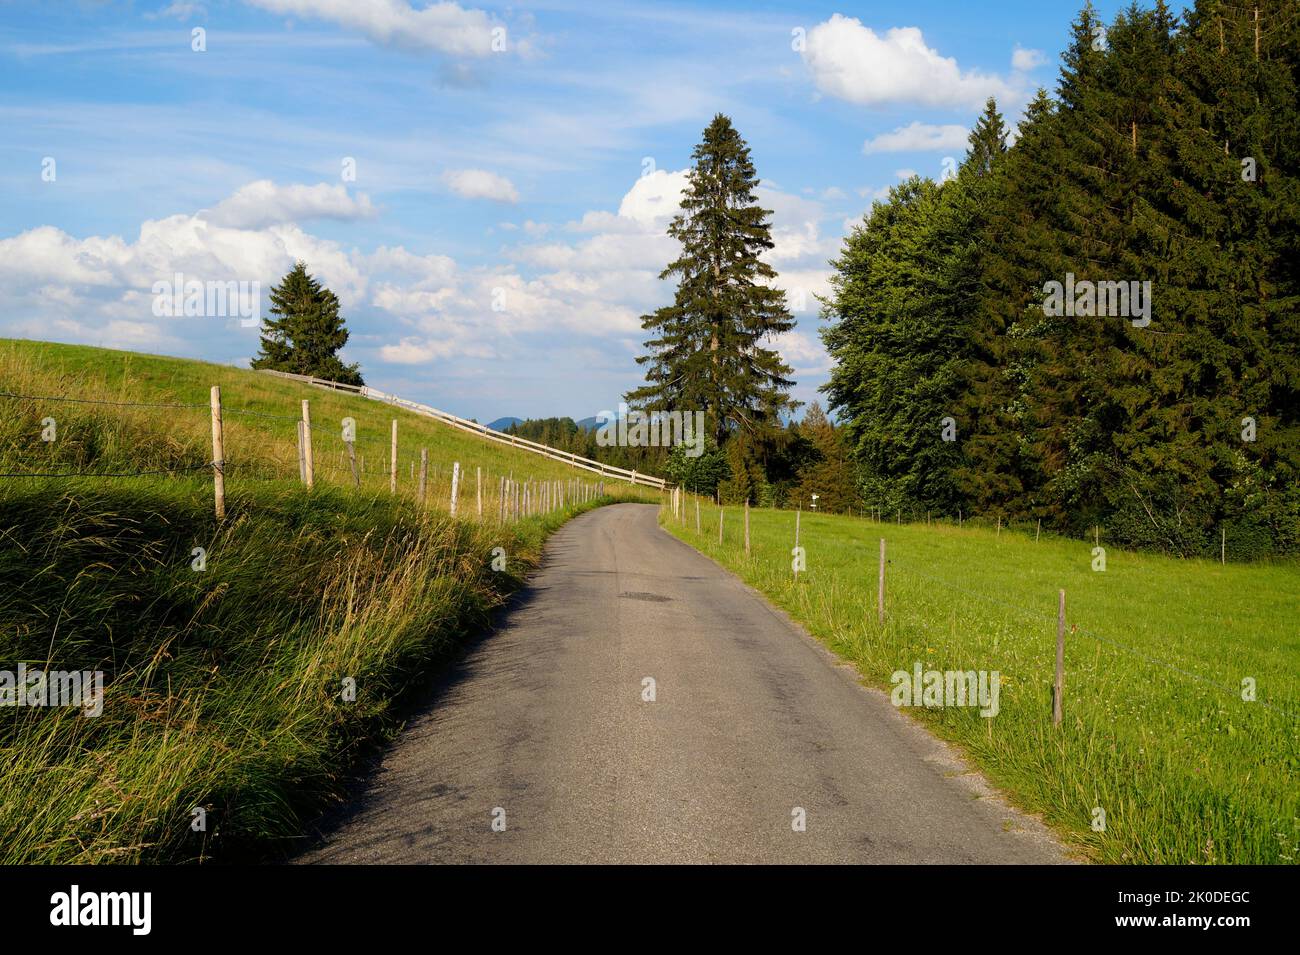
(260, 412)
(1156, 732)
(242, 682)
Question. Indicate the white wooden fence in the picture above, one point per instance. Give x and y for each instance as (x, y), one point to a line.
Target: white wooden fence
(568, 457)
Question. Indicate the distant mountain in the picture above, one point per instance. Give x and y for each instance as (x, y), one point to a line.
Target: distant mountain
(586, 424)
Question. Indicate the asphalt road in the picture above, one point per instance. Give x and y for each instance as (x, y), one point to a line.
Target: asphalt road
(543, 727)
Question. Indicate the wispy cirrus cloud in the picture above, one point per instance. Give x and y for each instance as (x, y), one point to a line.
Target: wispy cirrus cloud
(441, 27)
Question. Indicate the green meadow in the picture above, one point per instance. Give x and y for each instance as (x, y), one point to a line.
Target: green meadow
(1159, 653)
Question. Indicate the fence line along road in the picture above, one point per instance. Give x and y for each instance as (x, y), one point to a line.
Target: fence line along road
(568, 457)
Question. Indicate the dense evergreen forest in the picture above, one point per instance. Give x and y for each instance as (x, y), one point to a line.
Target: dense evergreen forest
(1168, 156)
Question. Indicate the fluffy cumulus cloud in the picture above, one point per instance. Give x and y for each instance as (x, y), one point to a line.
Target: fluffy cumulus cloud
(918, 137)
(263, 203)
(804, 353)
(852, 62)
(655, 197)
(100, 289)
(1024, 60)
(442, 27)
(481, 184)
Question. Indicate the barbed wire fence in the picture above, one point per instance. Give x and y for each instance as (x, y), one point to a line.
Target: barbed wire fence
(684, 517)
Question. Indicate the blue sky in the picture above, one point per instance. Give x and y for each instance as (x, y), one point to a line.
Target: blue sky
(515, 166)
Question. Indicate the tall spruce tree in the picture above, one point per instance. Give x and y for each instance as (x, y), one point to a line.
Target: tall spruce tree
(1018, 248)
(710, 349)
(306, 335)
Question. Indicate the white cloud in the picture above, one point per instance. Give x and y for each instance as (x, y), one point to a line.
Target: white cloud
(93, 281)
(528, 226)
(917, 137)
(442, 27)
(654, 198)
(481, 184)
(426, 269)
(1025, 60)
(804, 353)
(415, 351)
(853, 62)
(796, 231)
(178, 11)
(263, 203)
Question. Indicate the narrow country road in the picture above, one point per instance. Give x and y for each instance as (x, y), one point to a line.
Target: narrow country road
(545, 720)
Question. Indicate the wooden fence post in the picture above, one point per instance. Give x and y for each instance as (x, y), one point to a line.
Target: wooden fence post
(302, 454)
(478, 490)
(455, 486)
(424, 472)
(352, 460)
(392, 468)
(1039, 531)
(501, 501)
(746, 525)
(797, 514)
(880, 587)
(722, 515)
(1058, 688)
(1223, 531)
(306, 427)
(218, 455)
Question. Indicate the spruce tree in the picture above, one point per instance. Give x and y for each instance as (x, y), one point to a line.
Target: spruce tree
(829, 474)
(1018, 248)
(306, 335)
(710, 349)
